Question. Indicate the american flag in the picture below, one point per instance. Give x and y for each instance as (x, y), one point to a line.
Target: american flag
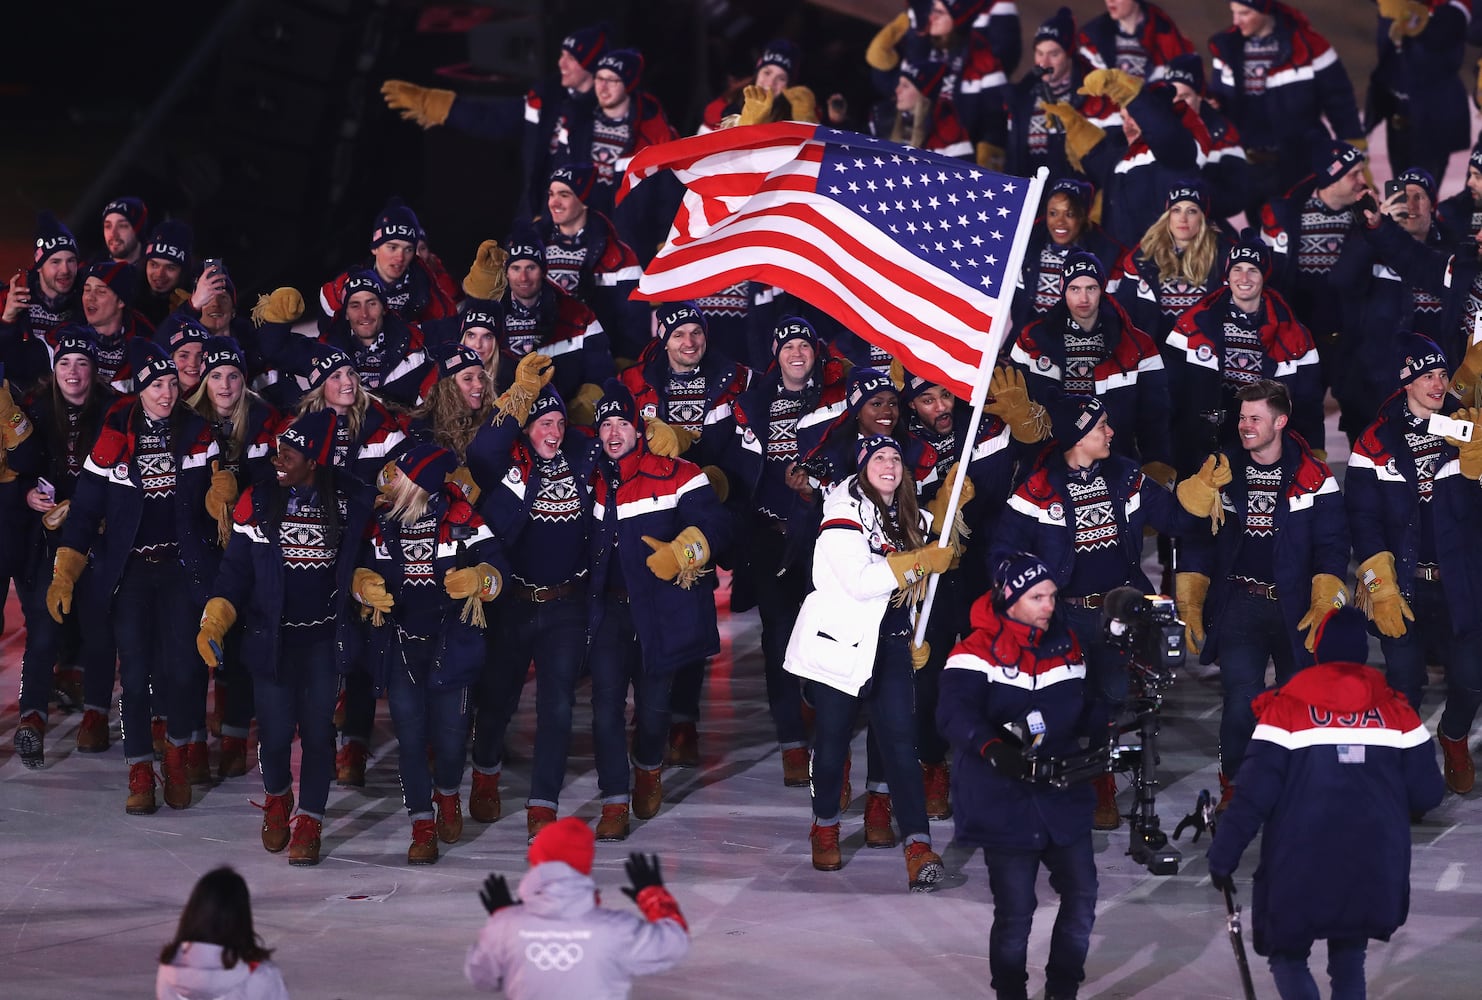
(910, 250)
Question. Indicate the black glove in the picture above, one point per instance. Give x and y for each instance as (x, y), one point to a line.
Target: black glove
(495, 894)
(1223, 882)
(643, 871)
(1006, 757)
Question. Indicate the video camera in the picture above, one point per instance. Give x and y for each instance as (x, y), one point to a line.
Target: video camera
(1148, 629)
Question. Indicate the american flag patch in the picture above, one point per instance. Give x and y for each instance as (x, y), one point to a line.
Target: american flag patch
(1350, 753)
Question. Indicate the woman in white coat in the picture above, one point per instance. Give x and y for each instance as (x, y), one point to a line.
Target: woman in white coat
(852, 644)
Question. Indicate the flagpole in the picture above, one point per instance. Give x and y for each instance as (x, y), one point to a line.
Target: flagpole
(997, 333)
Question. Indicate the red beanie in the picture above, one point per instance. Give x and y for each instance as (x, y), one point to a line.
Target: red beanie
(569, 840)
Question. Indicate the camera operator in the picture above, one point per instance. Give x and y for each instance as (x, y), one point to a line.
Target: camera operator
(1082, 510)
(1281, 501)
(1014, 690)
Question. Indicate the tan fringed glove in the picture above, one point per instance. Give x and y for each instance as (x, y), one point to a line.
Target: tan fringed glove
(1408, 18)
(281, 305)
(1468, 375)
(581, 409)
(682, 560)
(532, 374)
(667, 440)
(1081, 136)
(718, 482)
(954, 522)
(220, 496)
(756, 105)
(1200, 493)
(216, 621)
(911, 568)
(482, 581)
(57, 516)
(66, 569)
(423, 105)
(1469, 453)
(487, 278)
(920, 654)
(1328, 593)
(1189, 592)
(1008, 399)
(15, 426)
(369, 588)
(1378, 595)
(1118, 86)
(804, 104)
(881, 53)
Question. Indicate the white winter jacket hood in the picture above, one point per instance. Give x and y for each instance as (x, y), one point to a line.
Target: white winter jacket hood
(197, 974)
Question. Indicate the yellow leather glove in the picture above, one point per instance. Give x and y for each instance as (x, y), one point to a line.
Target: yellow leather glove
(1160, 472)
(991, 157)
(1465, 382)
(486, 278)
(369, 588)
(1408, 18)
(65, 571)
(914, 565)
(1115, 84)
(220, 496)
(662, 439)
(944, 520)
(57, 516)
(682, 560)
(920, 654)
(1189, 592)
(532, 374)
(15, 426)
(756, 105)
(216, 621)
(804, 104)
(582, 408)
(1080, 135)
(1469, 453)
(482, 581)
(1328, 594)
(1200, 493)
(281, 305)
(718, 482)
(881, 53)
(1008, 399)
(423, 105)
(1378, 595)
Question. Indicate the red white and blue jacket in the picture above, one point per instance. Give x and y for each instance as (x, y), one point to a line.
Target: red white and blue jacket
(609, 271)
(1383, 503)
(1159, 37)
(1311, 538)
(1196, 372)
(570, 335)
(997, 674)
(1338, 764)
(725, 380)
(644, 494)
(426, 297)
(1138, 289)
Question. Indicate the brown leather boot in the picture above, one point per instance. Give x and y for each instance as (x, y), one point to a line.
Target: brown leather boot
(825, 843)
(449, 817)
(30, 740)
(233, 760)
(613, 826)
(423, 850)
(923, 867)
(303, 849)
(349, 765)
(684, 745)
(1107, 816)
(483, 800)
(92, 733)
(198, 763)
(937, 781)
(141, 789)
(795, 767)
(177, 784)
(275, 812)
(648, 793)
(537, 818)
(877, 821)
(1456, 756)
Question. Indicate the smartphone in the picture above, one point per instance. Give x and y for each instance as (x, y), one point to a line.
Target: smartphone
(46, 489)
(1392, 188)
(213, 264)
(1444, 426)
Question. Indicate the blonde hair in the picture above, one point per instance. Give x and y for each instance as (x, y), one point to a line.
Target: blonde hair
(1193, 264)
(453, 423)
(240, 417)
(920, 128)
(408, 500)
(313, 402)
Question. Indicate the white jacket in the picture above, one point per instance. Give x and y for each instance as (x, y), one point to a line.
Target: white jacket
(838, 627)
(197, 974)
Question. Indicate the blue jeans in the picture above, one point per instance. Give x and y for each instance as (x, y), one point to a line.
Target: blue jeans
(616, 662)
(155, 624)
(48, 644)
(1252, 631)
(234, 684)
(1345, 969)
(554, 635)
(1405, 659)
(1011, 877)
(778, 601)
(360, 707)
(300, 699)
(1106, 674)
(891, 695)
(423, 717)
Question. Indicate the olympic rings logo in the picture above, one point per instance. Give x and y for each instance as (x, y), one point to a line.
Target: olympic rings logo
(553, 957)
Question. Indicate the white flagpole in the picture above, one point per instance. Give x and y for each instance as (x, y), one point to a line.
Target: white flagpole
(997, 333)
